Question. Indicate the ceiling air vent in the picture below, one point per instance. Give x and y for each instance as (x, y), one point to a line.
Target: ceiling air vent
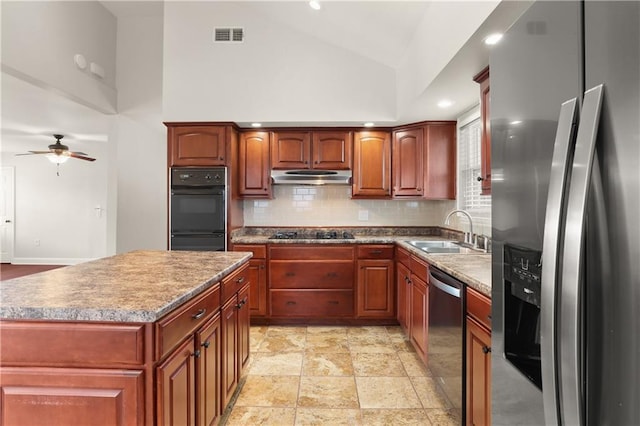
(228, 35)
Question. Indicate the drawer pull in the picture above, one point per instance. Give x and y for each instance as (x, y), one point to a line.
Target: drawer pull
(290, 302)
(242, 303)
(290, 274)
(196, 354)
(375, 252)
(332, 274)
(333, 302)
(240, 280)
(199, 314)
(206, 344)
(486, 349)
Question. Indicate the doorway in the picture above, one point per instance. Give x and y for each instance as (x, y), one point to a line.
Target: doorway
(7, 211)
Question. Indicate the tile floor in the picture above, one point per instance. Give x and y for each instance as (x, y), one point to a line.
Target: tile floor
(337, 376)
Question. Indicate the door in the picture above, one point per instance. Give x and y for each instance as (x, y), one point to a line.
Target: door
(208, 374)
(254, 165)
(229, 347)
(176, 404)
(408, 163)
(332, 150)
(375, 289)
(7, 226)
(371, 165)
(244, 328)
(419, 315)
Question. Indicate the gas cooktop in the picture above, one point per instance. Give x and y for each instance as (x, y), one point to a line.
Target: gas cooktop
(319, 235)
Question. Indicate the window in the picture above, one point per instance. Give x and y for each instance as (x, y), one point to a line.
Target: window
(469, 198)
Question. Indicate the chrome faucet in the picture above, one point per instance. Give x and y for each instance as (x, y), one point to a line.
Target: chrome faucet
(468, 238)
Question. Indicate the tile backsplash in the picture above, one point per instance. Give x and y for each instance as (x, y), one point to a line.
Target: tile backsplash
(332, 206)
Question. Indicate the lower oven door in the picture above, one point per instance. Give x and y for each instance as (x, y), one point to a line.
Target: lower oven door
(198, 242)
(199, 210)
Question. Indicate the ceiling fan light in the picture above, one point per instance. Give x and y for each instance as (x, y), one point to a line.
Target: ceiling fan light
(57, 158)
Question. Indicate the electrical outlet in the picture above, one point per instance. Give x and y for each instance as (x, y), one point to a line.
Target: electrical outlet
(36, 243)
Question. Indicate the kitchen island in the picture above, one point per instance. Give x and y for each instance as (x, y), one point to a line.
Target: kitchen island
(146, 337)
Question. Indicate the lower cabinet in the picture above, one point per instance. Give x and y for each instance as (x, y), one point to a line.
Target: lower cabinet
(208, 342)
(257, 277)
(176, 384)
(418, 316)
(478, 362)
(375, 282)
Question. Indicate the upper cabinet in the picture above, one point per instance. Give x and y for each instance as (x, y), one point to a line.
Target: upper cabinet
(485, 118)
(372, 165)
(424, 161)
(325, 150)
(197, 145)
(253, 165)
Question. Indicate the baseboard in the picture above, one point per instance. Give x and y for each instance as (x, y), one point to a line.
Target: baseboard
(48, 260)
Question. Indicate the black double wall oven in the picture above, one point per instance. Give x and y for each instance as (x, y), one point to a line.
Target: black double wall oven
(198, 209)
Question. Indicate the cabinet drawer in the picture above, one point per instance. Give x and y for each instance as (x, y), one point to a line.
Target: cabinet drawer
(174, 327)
(312, 303)
(420, 268)
(234, 282)
(479, 307)
(375, 252)
(403, 257)
(312, 275)
(259, 250)
(310, 252)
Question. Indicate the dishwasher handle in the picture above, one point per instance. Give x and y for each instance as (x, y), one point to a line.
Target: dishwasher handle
(446, 287)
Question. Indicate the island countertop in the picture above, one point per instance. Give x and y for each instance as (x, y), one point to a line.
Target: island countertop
(139, 286)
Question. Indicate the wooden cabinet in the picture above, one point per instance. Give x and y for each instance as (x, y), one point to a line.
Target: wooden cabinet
(208, 371)
(244, 329)
(253, 165)
(375, 296)
(413, 299)
(176, 383)
(311, 281)
(485, 140)
(408, 163)
(197, 145)
(257, 277)
(371, 165)
(325, 150)
(440, 160)
(478, 362)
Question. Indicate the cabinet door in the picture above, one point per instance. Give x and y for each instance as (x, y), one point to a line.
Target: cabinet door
(403, 283)
(485, 139)
(375, 295)
(176, 387)
(197, 145)
(229, 358)
(478, 374)
(419, 316)
(71, 396)
(243, 328)
(258, 291)
(291, 150)
(332, 150)
(253, 167)
(408, 163)
(208, 372)
(440, 175)
(372, 165)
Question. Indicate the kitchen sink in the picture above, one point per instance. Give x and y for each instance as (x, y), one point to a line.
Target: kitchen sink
(439, 246)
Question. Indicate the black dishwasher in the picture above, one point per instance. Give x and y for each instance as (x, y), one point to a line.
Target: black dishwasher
(445, 353)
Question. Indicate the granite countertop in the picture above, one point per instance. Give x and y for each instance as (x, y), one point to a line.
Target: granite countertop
(139, 286)
(474, 268)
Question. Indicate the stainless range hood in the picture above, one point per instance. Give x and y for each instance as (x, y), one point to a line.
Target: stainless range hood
(311, 177)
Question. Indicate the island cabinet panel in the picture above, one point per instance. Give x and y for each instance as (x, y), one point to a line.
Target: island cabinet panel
(229, 358)
(176, 383)
(197, 145)
(371, 165)
(71, 396)
(208, 371)
(257, 277)
(234, 282)
(72, 344)
(478, 362)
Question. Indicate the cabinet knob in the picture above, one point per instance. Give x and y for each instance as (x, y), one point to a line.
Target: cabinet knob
(206, 344)
(240, 280)
(199, 314)
(375, 252)
(486, 349)
(221, 158)
(196, 354)
(480, 178)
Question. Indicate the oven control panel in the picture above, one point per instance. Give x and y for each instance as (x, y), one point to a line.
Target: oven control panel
(194, 177)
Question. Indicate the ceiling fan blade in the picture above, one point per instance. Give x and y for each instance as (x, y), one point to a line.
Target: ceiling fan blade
(81, 157)
(35, 152)
(79, 153)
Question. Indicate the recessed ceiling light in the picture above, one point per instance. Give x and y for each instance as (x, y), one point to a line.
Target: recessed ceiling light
(493, 39)
(256, 124)
(445, 103)
(315, 5)
(369, 124)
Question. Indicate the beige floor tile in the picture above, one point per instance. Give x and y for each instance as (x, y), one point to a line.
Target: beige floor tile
(440, 417)
(276, 330)
(413, 365)
(367, 330)
(322, 329)
(377, 364)
(370, 343)
(401, 343)
(276, 364)
(327, 392)
(327, 342)
(256, 336)
(264, 416)
(386, 392)
(326, 416)
(386, 417)
(283, 343)
(327, 364)
(269, 391)
(430, 393)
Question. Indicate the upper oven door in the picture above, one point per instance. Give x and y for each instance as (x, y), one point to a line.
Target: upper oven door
(197, 211)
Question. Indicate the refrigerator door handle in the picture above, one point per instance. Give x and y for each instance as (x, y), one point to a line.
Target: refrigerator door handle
(570, 340)
(552, 243)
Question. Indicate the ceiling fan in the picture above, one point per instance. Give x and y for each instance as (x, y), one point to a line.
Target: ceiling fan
(59, 153)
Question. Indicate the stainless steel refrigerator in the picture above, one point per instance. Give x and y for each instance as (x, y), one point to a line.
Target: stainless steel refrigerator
(565, 129)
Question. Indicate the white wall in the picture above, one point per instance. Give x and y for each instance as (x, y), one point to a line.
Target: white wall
(41, 38)
(141, 137)
(276, 75)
